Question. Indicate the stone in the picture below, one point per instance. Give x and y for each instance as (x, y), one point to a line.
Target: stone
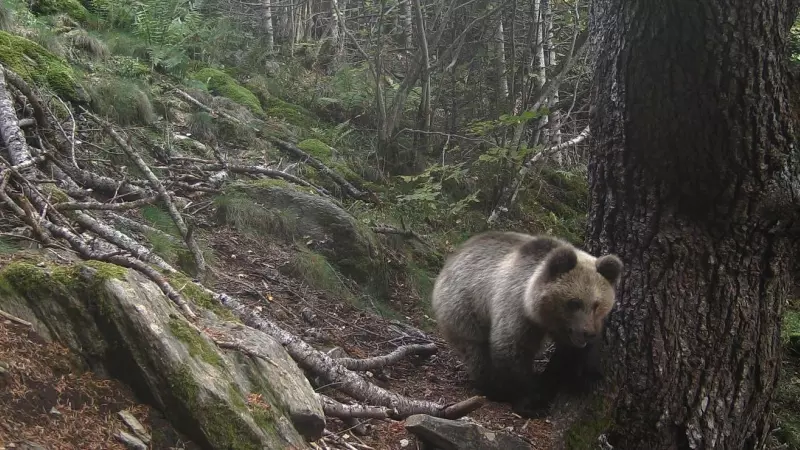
(327, 229)
(444, 434)
(120, 323)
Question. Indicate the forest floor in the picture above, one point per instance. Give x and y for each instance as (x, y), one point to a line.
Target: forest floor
(325, 322)
(50, 401)
(47, 399)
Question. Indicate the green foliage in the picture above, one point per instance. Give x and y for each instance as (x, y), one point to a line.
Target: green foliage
(794, 42)
(170, 30)
(484, 127)
(6, 17)
(429, 198)
(786, 400)
(220, 83)
(117, 14)
(73, 8)
(9, 245)
(128, 67)
(35, 64)
(123, 101)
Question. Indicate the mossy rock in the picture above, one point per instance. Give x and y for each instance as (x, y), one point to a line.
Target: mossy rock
(292, 114)
(220, 83)
(317, 149)
(332, 232)
(123, 326)
(35, 64)
(72, 8)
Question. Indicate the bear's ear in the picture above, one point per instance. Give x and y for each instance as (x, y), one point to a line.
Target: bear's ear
(610, 267)
(559, 262)
(539, 247)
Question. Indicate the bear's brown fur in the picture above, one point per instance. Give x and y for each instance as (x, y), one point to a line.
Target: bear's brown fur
(500, 294)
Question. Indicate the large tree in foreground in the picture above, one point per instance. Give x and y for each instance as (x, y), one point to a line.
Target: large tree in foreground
(691, 180)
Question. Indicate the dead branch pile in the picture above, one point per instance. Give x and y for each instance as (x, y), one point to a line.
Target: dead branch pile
(52, 187)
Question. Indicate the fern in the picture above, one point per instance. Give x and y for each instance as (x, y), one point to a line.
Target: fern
(168, 27)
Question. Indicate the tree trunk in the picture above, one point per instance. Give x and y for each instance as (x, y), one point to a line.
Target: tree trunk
(692, 151)
(269, 29)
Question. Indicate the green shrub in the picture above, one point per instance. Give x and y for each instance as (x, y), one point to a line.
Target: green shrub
(122, 101)
(73, 8)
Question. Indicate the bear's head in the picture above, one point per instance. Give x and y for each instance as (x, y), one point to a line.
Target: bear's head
(571, 293)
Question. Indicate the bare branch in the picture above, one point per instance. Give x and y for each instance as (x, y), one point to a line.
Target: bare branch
(155, 183)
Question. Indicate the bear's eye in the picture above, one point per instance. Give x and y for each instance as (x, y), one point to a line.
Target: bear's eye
(574, 304)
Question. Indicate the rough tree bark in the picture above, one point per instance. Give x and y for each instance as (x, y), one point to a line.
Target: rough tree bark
(692, 166)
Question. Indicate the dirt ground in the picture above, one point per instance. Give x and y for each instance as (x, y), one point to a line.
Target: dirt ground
(50, 401)
(256, 274)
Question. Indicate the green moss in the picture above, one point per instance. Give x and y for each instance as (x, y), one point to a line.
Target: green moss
(583, 434)
(316, 148)
(72, 8)
(55, 195)
(198, 296)
(22, 276)
(198, 347)
(35, 64)
(220, 83)
(224, 427)
(292, 114)
(790, 330)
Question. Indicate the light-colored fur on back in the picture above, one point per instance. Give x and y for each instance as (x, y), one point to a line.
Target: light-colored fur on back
(501, 293)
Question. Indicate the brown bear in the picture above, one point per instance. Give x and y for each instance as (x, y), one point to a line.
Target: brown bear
(501, 294)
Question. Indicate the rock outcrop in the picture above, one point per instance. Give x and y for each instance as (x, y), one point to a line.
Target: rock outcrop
(122, 326)
(330, 230)
(444, 434)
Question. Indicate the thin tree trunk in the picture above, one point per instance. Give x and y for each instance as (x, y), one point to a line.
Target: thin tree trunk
(691, 158)
(407, 24)
(269, 29)
(554, 118)
(539, 66)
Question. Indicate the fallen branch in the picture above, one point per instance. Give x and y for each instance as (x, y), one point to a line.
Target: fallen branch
(85, 252)
(349, 189)
(13, 138)
(333, 408)
(106, 206)
(385, 360)
(205, 108)
(155, 183)
(15, 319)
(268, 172)
(345, 380)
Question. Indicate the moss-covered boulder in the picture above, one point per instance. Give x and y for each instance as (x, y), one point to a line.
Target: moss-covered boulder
(35, 64)
(222, 84)
(72, 8)
(123, 326)
(309, 218)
